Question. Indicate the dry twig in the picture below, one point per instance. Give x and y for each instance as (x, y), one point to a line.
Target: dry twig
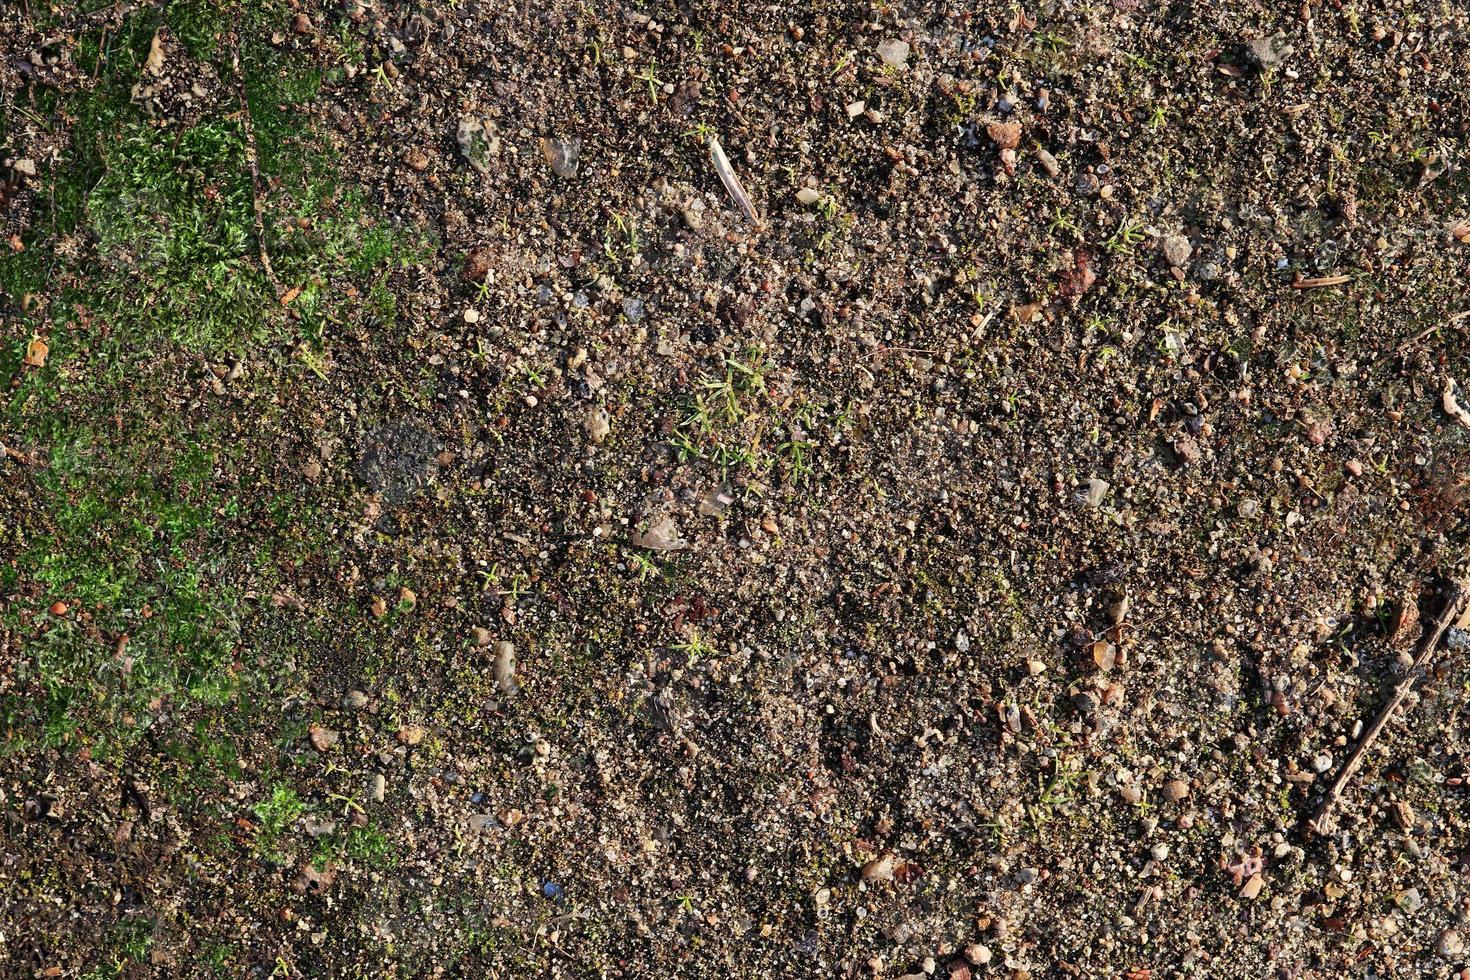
(252, 159)
(1432, 328)
(1319, 282)
(1321, 823)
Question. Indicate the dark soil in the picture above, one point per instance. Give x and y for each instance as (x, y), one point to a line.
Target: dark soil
(442, 534)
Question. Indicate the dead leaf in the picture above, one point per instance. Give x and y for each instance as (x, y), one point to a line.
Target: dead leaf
(36, 352)
(290, 295)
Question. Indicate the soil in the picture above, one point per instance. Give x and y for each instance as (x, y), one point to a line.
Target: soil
(444, 532)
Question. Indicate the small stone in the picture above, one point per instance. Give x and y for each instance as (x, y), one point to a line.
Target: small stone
(411, 735)
(855, 109)
(716, 502)
(1403, 815)
(1353, 467)
(1093, 491)
(562, 155)
(475, 145)
(317, 827)
(880, 868)
(597, 424)
(1176, 790)
(354, 700)
(1253, 887)
(417, 160)
(1177, 250)
(1267, 52)
(808, 196)
(480, 636)
(504, 669)
(661, 535)
(1449, 945)
(377, 788)
(1048, 162)
(322, 739)
(1322, 761)
(977, 953)
(895, 53)
(301, 24)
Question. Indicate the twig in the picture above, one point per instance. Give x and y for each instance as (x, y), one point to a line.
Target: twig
(24, 459)
(900, 350)
(1321, 822)
(728, 178)
(252, 159)
(1454, 318)
(1319, 282)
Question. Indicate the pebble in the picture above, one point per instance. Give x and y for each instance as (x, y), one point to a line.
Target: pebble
(1048, 162)
(1176, 790)
(879, 869)
(597, 424)
(377, 787)
(322, 739)
(480, 636)
(662, 535)
(474, 146)
(808, 196)
(563, 156)
(977, 953)
(1177, 250)
(1093, 492)
(895, 53)
(354, 700)
(1449, 945)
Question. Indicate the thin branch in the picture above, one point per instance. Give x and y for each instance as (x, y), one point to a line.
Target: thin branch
(252, 159)
(1432, 328)
(1322, 822)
